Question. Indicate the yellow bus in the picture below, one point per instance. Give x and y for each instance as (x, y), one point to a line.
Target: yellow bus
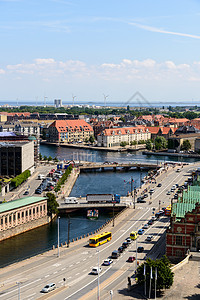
(100, 239)
(133, 235)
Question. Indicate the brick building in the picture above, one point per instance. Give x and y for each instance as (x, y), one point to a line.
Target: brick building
(69, 131)
(184, 231)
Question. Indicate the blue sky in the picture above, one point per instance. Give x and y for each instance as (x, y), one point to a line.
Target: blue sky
(56, 48)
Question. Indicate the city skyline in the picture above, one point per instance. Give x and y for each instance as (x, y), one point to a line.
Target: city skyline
(90, 49)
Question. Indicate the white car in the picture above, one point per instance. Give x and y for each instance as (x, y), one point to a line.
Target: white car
(149, 238)
(48, 288)
(107, 262)
(146, 226)
(96, 270)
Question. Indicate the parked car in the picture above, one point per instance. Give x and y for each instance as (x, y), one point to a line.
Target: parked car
(107, 262)
(146, 226)
(131, 259)
(140, 231)
(26, 193)
(140, 249)
(149, 238)
(96, 270)
(145, 195)
(48, 288)
(151, 191)
(169, 192)
(159, 185)
(150, 222)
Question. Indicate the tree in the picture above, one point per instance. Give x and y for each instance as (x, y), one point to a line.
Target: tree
(49, 158)
(91, 139)
(52, 204)
(149, 145)
(123, 144)
(133, 143)
(45, 157)
(40, 156)
(160, 143)
(86, 140)
(164, 274)
(55, 159)
(186, 145)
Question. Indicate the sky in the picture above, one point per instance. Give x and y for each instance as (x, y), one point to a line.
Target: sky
(100, 49)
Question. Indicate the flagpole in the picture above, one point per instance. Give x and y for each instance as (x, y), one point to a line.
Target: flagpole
(155, 280)
(150, 283)
(145, 284)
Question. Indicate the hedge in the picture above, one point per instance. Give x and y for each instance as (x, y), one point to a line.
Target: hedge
(63, 179)
(19, 179)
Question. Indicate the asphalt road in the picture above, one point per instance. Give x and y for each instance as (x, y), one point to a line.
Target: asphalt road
(76, 263)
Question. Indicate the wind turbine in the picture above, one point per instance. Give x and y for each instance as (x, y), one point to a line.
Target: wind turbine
(73, 98)
(105, 97)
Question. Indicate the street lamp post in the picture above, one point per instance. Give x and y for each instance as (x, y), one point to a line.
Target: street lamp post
(58, 236)
(113, 215)
(18, 284)
(98, 289)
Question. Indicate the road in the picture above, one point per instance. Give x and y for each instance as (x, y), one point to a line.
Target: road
(75, 263)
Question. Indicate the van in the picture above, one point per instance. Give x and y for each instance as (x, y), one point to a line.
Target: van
(41, 176)
(70, 200)
(115, 254)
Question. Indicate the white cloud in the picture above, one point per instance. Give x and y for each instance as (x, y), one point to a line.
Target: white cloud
(2, 71)
(154, 29)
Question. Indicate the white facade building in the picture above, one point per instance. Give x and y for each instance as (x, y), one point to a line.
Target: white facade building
(114, 136)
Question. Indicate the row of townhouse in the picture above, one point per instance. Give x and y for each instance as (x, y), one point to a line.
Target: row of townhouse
(113, 137)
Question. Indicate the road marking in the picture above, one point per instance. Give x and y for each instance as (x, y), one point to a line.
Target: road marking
(84, 259)
(46, 276)
(63, 269)
(77, 274)
(56, 265)
(69, 277)
(55, 272)
(85, 270)
(21, 287)
(70, 266)
(90, 256)
(78, 262)
(31, 295)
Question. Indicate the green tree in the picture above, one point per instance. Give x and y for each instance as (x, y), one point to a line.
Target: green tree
(133, 143)
(49, 158)
(40, 156)
(86, 140)
(123, 144)
(45, 157)
(160, 143)
(186, 145)
(52, 204)
(91, 139)
(165, 276)
(55, 159)
(149, 145)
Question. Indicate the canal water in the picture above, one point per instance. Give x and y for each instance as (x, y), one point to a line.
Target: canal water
(43, 238)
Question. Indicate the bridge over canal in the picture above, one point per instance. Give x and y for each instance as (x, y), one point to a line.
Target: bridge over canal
(115, 166)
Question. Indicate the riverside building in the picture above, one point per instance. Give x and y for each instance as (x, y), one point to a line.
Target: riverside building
(114, 136)
(22, 215)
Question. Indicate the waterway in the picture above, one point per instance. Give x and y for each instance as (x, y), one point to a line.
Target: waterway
(43, 238)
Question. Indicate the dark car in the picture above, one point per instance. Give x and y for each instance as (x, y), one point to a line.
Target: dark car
(26, 193)
(150, 222)
(125, 245)
(157, 215)
(38, 191)
(120, 249)
(145, 195)
(140, 249)
(159, 185)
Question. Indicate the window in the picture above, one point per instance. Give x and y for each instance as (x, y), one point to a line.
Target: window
(37, 209)
(10, 219)
(26, 213)
(22, 214)
(34, 211)
(29, 212)
(1, 221)
(18, 216)
(14, 217)
(179, 240)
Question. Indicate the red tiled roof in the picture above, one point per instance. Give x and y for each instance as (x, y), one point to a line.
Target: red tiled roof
(124, 130)
(72, 125)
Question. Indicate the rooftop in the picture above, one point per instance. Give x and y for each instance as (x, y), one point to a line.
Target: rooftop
(11, 205)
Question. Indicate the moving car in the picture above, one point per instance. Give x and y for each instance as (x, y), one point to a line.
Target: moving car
(131, 259)
(96, 270)
(115, 254)
(140, 249)
(140, 231)
(48, 288)
(150, 222)
(151, 191)
(128, 241)
(107, 262)
(159, 185)
(141, 200)
(120, 249)
(125, 244)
